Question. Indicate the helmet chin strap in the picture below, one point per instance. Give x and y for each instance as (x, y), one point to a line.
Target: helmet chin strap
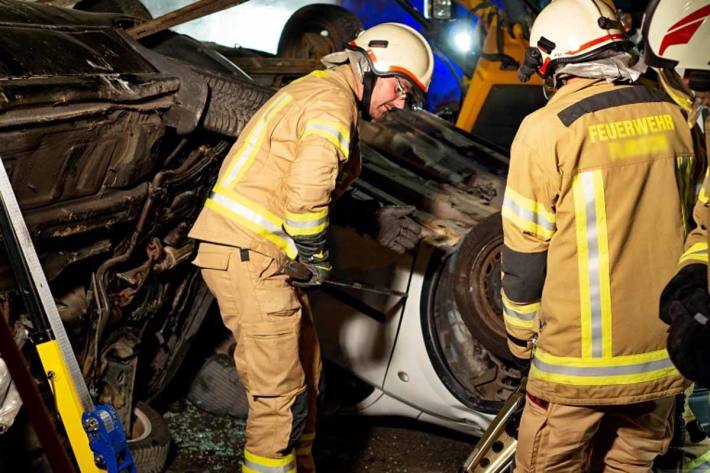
(368, 83)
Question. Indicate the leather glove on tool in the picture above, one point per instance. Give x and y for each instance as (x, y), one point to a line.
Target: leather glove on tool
(313, 254)
(394, 229)
(685, 306)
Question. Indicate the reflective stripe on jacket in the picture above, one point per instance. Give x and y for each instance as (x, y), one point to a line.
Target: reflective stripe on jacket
(278, 179)
(593, 228)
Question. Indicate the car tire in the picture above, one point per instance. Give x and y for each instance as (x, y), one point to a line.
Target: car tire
(127, 7)
(151, 441)
(302, 36)
(231, 103)
(477, 289)
(218, 390)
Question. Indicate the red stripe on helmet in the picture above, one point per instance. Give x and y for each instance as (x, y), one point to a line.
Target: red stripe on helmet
(683, 30)
(594, 42)
(409, 75)
(696, 15)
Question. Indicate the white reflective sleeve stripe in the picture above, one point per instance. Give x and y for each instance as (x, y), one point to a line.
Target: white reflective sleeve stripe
(334, 132)
(528, 215)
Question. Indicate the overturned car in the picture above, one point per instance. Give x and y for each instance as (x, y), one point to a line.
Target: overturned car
(111, 148)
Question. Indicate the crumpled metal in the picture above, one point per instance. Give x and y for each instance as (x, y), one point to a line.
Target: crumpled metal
(10, 401)
(624, 66)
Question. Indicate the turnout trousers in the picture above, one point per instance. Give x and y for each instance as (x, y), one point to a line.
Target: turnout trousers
(277, 355)
(557, 438)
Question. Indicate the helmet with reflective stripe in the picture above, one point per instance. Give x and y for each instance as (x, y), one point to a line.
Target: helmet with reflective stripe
(677, 34)
(394, 49)
(571, 31)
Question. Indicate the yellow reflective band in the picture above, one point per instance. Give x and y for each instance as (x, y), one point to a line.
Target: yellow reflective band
(248, 150)
(703, 196)
(697, 252)
(332, 131)
(604, 269)
(700, 464)
(593, 263)
(306, 224)
(528, 215)
(626, 369)
(258, 464)
(519, 315)
(583, 269)
(248, 215)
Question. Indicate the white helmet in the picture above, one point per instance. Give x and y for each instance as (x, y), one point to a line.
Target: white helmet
(677, 35)
(394, 49)
(568, 31)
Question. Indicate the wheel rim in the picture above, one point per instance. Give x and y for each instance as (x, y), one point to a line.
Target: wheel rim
(484, 285)
(142, 426)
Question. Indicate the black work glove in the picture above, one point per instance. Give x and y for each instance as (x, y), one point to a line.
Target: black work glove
(391, 226)
(685, 306)
(394, 229)
(313, 254)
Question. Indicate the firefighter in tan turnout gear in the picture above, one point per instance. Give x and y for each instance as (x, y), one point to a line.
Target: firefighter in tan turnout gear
(271, 203)
(594, 223)
(685, 304)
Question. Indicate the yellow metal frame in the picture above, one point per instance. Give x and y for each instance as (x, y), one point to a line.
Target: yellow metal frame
(489, 73)
(68, 404)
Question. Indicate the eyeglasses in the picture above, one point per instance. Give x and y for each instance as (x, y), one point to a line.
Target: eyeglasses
(401, 90)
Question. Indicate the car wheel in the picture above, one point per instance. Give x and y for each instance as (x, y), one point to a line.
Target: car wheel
(231, 103)
(217, 388)
(316, 30)
(150, 439)
(477, 288)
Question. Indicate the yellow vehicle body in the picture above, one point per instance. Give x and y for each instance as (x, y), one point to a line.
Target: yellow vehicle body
(489, 72)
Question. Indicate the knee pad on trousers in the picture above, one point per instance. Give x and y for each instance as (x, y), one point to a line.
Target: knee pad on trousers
(299, 412)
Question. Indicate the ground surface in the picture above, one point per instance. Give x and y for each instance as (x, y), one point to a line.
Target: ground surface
(207, 443)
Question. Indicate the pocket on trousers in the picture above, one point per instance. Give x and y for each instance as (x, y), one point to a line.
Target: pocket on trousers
(272, 356)
(530, 434)
(213, 260)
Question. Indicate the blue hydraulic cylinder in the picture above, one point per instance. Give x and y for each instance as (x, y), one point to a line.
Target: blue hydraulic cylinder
(107, 440)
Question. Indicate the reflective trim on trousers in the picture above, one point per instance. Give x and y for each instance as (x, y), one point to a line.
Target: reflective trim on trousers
(242, 214)
(258, 464)
(247, 151)
(593, 263)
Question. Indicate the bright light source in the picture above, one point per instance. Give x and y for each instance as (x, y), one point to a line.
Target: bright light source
(463, 41)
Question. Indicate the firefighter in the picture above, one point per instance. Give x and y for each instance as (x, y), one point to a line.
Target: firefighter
(271, 203)
(593, 228)
(685, 303)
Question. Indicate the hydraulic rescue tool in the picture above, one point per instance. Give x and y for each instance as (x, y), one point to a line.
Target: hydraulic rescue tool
(495, 451)
(95, 432)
